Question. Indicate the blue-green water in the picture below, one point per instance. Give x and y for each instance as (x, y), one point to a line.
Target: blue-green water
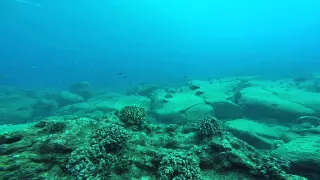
(159, 89)
(46, 42)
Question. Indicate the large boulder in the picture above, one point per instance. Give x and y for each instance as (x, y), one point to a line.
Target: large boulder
(182, 107)
(16, 116)
(304, 155)
(221, 89)
(105, 104)
(198, 99)
(82, 89)
(309, 85)
(66, 98)
(307, 99)
(143, 90)
(15, 108)
(306, 125)
(258, 134)
(277, 103)
(119, 101)
(225, 109)
(44, 107)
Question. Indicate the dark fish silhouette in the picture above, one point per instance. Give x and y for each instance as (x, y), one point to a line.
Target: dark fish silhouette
(194, 87)
(168, 96)
(165, 101)
(199, 93)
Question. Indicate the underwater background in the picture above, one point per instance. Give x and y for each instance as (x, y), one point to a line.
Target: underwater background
(168, 90)
(44, 43)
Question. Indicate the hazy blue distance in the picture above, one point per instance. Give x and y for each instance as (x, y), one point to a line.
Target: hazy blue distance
(62, 41)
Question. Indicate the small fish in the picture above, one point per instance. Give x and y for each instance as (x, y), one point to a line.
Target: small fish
(194, 87)
(120, 73)
(165, 101)
(199, 93)
(168, 96)
(4, 77)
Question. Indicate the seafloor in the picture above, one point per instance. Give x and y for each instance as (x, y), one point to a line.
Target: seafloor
(241, 128)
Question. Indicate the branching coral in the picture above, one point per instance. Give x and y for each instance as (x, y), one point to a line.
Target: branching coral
(179, 166)
(208, 127)
(133, 115)
(98, 160)
(111, 137)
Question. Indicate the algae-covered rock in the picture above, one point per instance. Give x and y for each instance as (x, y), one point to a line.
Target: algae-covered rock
(69, 145)
(33, 150)
(304, 155)
(91, 163)
(44, 107)
(98, 160)
(51, 126)
(220, 89)
(179, 166)
(182, 107)
(15, 107)
(143, 90)
(117, 102)
(105, 104)
(257, 134)
(16, 116)
(233, 153)
(308, 85)
(261, 103)
(66, 98)
(198, 99)
(225, 109)
(82, 89)
(306, 125)
(105, 150)
(307, 99)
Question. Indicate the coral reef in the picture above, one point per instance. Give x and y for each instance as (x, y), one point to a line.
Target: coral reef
(133, 115)
(179, 166)
(51, 126)
(234, 154)
(237, 128)
(208, 127)
(98, 160)
(111, 151)
(91, 163)
(111, 137)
